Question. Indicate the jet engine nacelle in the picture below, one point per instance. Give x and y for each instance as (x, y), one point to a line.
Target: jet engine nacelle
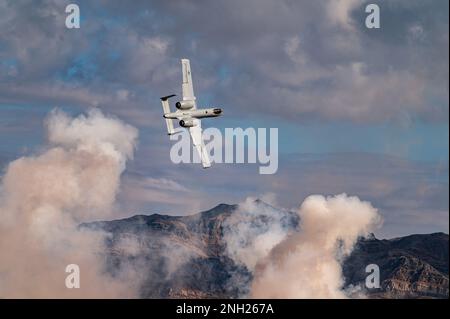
(187, 123)
(185, 105)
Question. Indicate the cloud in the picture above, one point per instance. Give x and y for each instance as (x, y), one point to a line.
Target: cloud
(297, 255)
(44, 197)
(307, 264)
(313, 60)
(253, 230)
(168, 192)
(339, 12)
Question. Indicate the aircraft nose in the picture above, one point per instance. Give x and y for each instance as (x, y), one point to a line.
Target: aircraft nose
(217, 111)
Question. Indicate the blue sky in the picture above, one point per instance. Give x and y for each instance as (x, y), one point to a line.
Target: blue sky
(358, 111)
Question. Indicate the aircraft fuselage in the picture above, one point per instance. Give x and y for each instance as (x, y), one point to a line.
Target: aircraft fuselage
(197, 113)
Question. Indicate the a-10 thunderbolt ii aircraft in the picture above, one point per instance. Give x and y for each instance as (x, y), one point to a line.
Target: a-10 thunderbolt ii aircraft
(188, 114)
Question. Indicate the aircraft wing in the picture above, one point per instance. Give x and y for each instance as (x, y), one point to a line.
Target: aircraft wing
(188, 89)
(196, 135)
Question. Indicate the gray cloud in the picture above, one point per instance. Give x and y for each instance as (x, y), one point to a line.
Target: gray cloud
(298, 60)
(310, 59)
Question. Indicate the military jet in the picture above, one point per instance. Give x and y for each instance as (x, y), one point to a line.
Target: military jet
(188, 114)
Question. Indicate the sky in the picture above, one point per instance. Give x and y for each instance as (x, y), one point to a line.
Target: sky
(359, 111)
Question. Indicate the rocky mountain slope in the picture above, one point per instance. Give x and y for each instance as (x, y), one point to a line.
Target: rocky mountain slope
(186, 257)
(410, 267)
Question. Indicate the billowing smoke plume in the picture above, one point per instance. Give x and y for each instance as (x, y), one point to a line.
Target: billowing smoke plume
(254, 230)
(298, 261)
(44, 197)
(307, 264)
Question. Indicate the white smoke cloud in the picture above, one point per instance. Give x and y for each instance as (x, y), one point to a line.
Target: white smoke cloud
(291, 261)
(307, 264)
(44, 197)
(77, 177)
(253, 231)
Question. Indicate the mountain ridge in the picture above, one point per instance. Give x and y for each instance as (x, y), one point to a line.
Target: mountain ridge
(186, 257)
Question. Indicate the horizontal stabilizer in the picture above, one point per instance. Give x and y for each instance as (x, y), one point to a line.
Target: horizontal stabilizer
(165, 98)
(166, 109)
